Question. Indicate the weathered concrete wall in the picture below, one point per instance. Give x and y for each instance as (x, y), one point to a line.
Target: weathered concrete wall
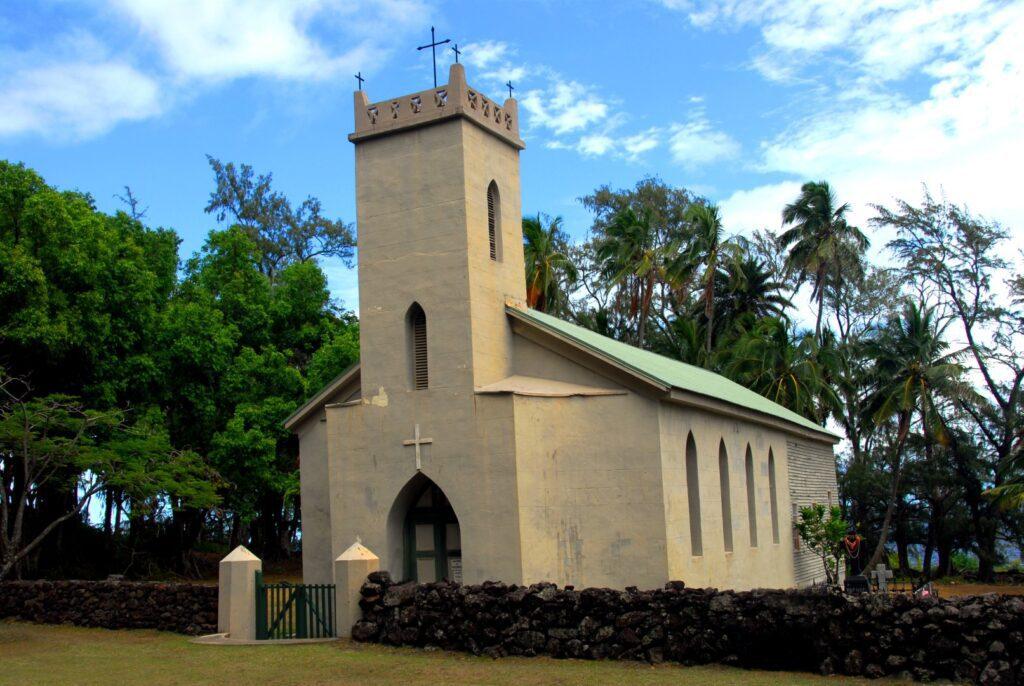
(316, 508)
(589, 490)
(182, 608)
(769, 564)
(812, 479)
(977, 639)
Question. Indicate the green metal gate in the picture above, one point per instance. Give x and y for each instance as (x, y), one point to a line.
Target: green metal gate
(287, 610)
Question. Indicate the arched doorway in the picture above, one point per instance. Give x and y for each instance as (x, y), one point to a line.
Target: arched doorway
(432, 539)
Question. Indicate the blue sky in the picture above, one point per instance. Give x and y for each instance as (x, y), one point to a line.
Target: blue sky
(738, 100)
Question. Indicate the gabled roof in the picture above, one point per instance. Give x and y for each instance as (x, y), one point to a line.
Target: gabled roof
(665, 372)
(320, 399)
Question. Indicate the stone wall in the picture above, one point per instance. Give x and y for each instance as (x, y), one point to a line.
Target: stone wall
(183, 608)
(977, 639)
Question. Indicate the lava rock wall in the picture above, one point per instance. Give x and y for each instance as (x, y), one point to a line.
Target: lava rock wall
(977, 639)
(182, 608)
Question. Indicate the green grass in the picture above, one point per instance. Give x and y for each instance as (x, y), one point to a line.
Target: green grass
(38, 654)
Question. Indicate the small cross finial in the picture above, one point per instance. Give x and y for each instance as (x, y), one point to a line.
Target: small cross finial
(433, 50)
(509, 84)
(359, 540)
(455, 49)
(360, 79)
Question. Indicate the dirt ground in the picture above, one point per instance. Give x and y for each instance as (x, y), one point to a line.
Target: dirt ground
(953, 589)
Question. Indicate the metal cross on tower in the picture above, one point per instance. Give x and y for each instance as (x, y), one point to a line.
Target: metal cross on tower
(360, 79)
(433, 51)
(455, 49)
(509, 84)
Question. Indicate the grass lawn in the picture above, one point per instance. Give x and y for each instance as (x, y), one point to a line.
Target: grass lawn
(37, 654)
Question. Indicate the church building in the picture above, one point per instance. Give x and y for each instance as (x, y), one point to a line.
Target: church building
(477, 439)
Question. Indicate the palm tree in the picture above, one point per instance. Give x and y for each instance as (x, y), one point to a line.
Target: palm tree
(748, 288)
(708, 247)
(782, 367)
(549, 270)
(631, 258)
(912, 370)
(822, 244)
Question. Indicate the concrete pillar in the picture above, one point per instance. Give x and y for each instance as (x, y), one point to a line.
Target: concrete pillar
(236, 594)
(350, 571)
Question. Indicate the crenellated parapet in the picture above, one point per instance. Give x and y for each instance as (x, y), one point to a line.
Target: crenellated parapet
(453, 99)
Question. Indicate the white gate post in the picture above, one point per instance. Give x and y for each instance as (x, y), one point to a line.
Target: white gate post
(350, 571)
(236, 594)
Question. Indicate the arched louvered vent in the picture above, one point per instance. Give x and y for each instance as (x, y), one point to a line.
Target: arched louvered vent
(493, 219)
(418, 338)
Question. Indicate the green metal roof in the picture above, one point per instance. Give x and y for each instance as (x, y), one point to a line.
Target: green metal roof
(666, 371)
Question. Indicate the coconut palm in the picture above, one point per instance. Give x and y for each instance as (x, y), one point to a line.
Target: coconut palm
(823, 246)
(631, 257)
(913, 370)
(708, 251)
(549, 269)
(781, 366)
(748, 287)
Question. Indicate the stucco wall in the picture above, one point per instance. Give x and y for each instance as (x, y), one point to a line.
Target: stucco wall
(812, 480)
(589, 490)
(769, 564)
(316, 516)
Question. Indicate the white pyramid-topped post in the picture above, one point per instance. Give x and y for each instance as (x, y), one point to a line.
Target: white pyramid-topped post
(236, 594)
(350, 571)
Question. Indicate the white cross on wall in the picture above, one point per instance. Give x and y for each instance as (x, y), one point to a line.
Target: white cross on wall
(417, 441)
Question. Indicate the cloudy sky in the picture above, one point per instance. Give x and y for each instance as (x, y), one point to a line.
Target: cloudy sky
(737, 100)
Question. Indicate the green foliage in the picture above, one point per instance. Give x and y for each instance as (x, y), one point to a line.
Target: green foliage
(823, 247)
(550, 272)
(822, 530)
(205, 364)
(281, 234)
(56, 442)
(338, 351)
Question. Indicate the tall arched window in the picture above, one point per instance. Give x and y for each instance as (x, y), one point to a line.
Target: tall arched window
(723, 480)
(693, 496)
(416, 323)
(751, 499)
(494, 221)
(773, 497)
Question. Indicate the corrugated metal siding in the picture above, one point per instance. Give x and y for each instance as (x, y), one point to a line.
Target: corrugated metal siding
(812, 479)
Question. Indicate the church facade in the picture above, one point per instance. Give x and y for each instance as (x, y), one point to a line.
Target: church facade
(478, 439)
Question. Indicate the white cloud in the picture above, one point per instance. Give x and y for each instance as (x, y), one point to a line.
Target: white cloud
(564, 106)
(70, 84)
(72, 90)
(485, 54)
(866, 133)
(223, 39)
(75, 100)
(697, 143)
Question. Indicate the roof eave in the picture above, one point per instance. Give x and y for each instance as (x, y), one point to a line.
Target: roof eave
(320, 399)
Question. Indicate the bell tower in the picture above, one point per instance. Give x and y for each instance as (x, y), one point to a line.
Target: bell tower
(439, 238)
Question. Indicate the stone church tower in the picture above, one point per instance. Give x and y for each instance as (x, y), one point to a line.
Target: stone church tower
(437, 193)
(479, 439)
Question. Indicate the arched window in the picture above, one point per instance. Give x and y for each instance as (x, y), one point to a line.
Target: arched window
(751, 500)
(494, 221)
(416, 323)
(693, 496)
(773, 497)
(723, 480)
